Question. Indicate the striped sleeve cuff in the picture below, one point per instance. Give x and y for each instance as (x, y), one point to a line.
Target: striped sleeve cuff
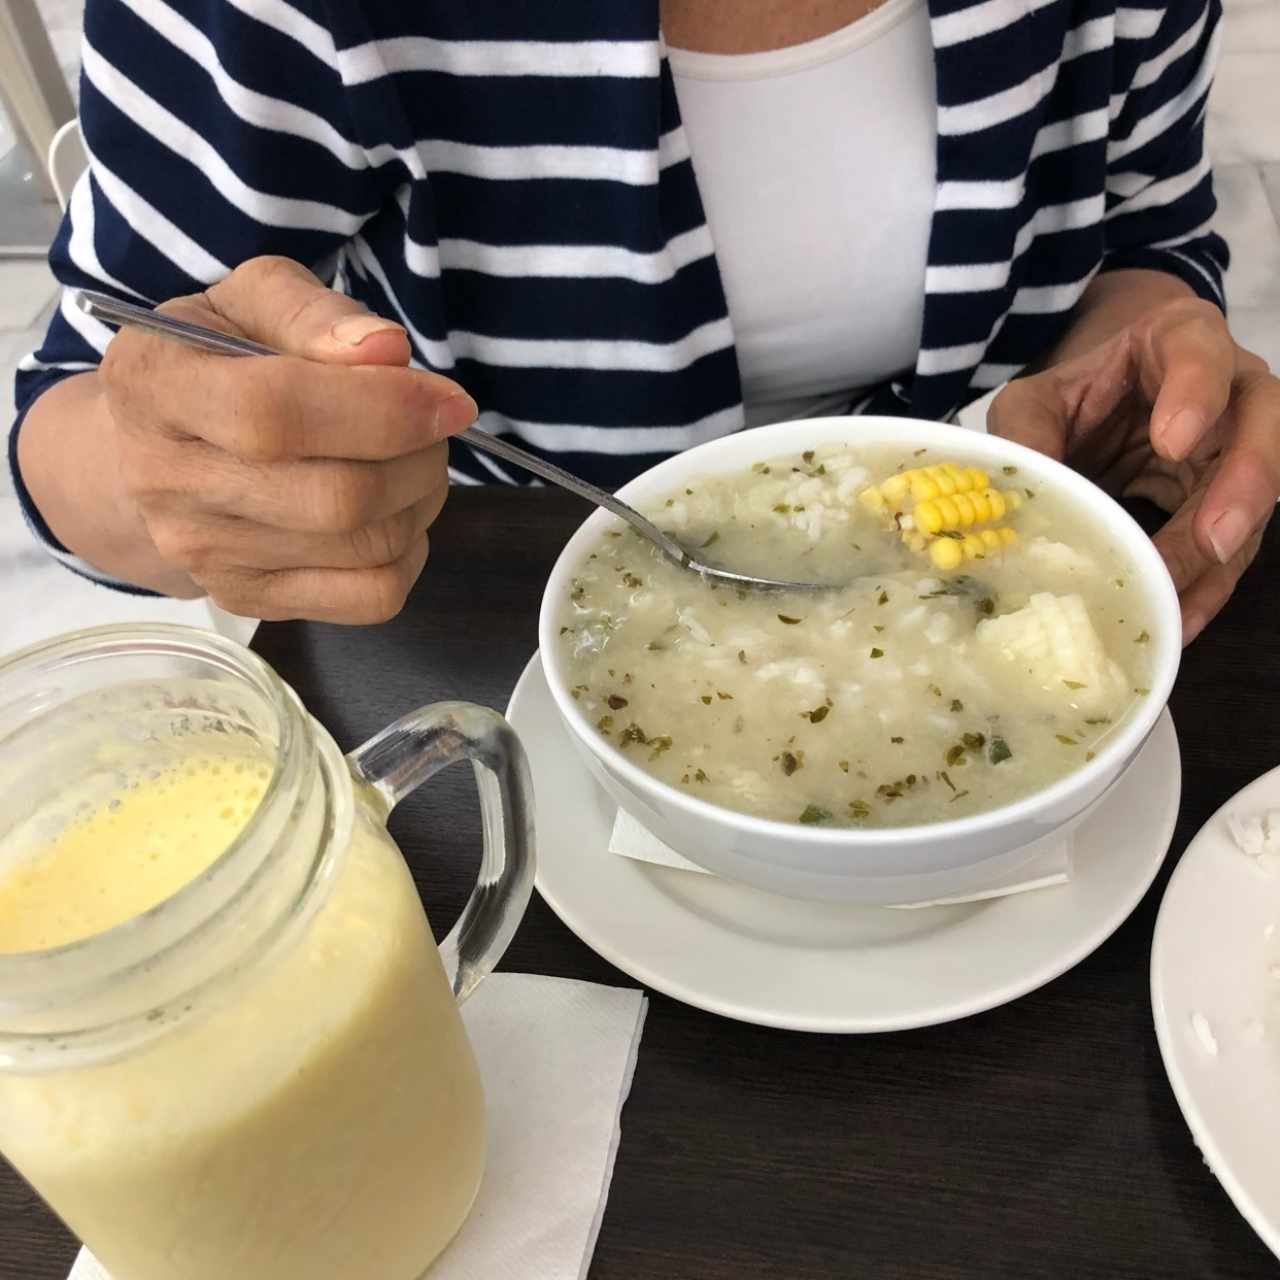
(31, 513)
(1197, 265)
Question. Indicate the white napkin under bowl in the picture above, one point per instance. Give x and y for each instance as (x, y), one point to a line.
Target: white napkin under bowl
(1050, 865)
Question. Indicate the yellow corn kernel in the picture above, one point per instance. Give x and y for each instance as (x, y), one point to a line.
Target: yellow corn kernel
(960, 510)
(895, 488)
(978, 479)
(923, 487)
(872, 499)
(927, 517)
(915, 540)
(946, 553)
(949, 552)
(944, 479)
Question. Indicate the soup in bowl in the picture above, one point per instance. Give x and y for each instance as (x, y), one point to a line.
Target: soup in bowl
(993, 642)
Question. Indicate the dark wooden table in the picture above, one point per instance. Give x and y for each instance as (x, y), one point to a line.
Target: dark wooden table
(1040, 1139)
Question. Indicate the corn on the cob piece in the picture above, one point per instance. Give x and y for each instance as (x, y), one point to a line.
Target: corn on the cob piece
(964, 509)
(923, 484)
(950, 553)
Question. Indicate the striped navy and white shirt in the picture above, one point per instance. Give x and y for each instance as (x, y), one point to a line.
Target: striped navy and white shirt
(510, 180)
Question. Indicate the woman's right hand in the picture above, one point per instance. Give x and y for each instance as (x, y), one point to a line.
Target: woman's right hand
(299, 486)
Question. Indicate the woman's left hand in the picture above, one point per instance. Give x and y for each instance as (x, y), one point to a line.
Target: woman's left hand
(1171, 409)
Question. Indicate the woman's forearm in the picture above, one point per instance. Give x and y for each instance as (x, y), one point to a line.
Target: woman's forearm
(68, 453)
(1112, 301)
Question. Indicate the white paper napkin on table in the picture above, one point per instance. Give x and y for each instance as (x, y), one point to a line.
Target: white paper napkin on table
(1050, 865)
(557, 1058)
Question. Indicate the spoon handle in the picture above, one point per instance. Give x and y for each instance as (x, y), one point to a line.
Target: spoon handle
(113, 311)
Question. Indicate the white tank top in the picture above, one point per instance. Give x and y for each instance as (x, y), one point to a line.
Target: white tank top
(817, 169)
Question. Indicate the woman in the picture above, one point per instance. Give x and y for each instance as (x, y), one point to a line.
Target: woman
(606, 226)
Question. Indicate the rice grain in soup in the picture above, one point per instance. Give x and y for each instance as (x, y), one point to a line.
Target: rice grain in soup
(987, 641)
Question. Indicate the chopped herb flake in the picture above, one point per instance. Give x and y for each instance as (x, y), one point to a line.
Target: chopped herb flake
(986, 606)
(1098, 720)
(1088, 755)
(877, 653)
(974, 741)
(999, 751)
(947, 779)
(814, 813)
(959, 795)
(897, 739)
(1075, 684)
(1138, 689)
(1142, 637)
(700, 776)
(781, 508)
(875, 626)
(915, 453)
(957, 705)
(937, 693)
(807, 455)
(724, 697)
(790, 762)
(883, 597)
(791, 622)
(859, 809)
(604, 724)
(632, 733)
(955, 755)
(844, 765)
(616, 702)
(659, 745)
(714, 538)
(742, 656)
(706, 699)
(1010, 471)
(1066, 741)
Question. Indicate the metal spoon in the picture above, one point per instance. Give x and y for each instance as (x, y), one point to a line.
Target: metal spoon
(113, 311)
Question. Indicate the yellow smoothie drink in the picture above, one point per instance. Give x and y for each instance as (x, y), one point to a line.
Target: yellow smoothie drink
(322, 1119)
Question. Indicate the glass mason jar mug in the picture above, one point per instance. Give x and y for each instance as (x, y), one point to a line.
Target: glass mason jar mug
(228, 1043)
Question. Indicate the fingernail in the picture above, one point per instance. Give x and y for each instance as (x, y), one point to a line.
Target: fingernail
(1228, 532)
(1181, 433)
(352, 331)
(456, 413)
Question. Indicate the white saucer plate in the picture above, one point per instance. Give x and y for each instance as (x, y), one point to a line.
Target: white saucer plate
(813, 966)
(1216, 1002)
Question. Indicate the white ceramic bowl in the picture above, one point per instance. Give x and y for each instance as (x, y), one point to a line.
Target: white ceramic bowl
(865, 865)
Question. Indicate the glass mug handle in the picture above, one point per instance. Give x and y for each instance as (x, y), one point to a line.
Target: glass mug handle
(403, 756)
